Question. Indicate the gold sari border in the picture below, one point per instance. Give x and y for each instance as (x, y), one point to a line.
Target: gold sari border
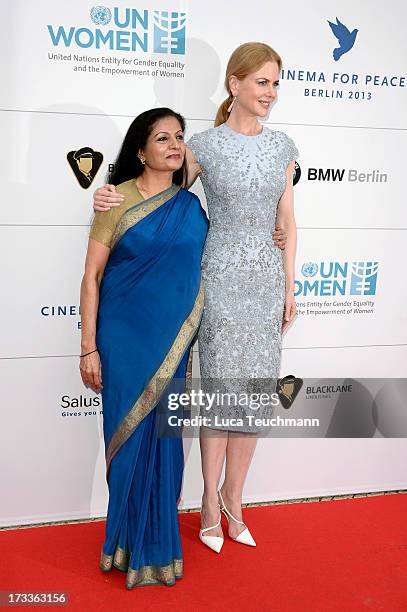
(156, 386)
(140, 210)
(188, 377)
(147, 574)
(154, 574)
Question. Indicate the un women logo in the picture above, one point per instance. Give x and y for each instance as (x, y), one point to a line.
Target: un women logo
(100, 15)
(169, 32)
(309, 269)
(364, 277)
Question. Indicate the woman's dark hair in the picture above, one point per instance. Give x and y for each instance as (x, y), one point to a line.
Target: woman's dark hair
(127, 164)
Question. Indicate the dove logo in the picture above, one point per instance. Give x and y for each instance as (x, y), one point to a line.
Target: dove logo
(346, 38)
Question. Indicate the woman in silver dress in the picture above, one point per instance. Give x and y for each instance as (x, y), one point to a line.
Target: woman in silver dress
(246, 170)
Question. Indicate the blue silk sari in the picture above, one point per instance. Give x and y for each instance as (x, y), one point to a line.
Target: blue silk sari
(150, 306)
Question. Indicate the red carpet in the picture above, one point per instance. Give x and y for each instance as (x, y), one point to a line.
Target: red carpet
(341, 555)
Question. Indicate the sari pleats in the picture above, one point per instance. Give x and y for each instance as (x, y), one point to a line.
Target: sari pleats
(145, 466)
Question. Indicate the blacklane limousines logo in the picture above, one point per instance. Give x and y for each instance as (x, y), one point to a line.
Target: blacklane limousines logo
(336, 278)
(85, 163)
(125, 29)
(288, 389)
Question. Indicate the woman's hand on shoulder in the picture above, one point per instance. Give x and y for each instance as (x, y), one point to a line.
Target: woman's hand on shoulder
(193, 167)
(106, 197)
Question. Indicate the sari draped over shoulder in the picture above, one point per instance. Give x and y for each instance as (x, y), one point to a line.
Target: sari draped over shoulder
(150, 307)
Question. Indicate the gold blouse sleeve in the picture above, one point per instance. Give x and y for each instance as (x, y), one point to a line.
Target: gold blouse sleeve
(103, 226)
(104, 223)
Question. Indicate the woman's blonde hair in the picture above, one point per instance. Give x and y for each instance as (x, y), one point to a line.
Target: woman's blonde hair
(244, 60)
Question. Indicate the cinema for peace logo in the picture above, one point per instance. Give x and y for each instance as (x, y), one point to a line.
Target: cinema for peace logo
(348, 82)
(345, 38)
(125, 29)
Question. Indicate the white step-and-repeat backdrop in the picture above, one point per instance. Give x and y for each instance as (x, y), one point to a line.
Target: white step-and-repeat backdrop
(74, 75)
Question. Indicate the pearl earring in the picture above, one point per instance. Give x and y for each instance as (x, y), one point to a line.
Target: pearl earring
(232, 103)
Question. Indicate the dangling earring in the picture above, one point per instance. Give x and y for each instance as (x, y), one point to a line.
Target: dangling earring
(232, 103)
(143, 161)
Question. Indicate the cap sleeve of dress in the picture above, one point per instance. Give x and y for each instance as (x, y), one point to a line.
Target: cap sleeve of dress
(290, 150)
(197, 146)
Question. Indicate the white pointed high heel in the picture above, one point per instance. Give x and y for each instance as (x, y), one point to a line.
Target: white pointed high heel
(213, 542)
(245, 537)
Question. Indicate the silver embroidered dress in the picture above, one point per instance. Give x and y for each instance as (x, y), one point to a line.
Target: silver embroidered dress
(240, 335)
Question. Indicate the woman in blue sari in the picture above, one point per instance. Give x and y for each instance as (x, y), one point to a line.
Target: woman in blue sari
(141, 305)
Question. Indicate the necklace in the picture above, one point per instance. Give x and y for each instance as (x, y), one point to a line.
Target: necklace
(141, 189)
(146, 194)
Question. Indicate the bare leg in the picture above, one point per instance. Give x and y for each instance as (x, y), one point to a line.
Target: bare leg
(213, 450)
(239, 453)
